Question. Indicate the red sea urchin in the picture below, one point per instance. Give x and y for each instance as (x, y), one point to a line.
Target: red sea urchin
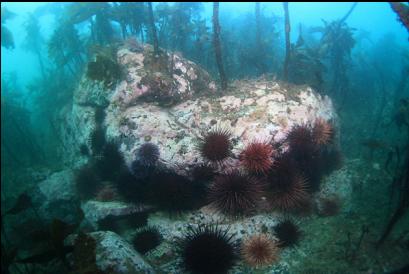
(257, 157)
(322, 132)
(288, 189)
(299, 135)
(216, 145)
(207, 249)
(259, 250)
(235, 193)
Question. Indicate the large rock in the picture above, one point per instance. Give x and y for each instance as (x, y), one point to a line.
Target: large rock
(251, 110)
(115, 255)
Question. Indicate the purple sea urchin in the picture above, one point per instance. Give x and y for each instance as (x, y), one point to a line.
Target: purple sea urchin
(170, 191)
(207, 250)
(148, 154)
(147, 239)
(288, 233)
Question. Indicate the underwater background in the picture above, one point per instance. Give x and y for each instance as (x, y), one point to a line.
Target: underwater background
(205, 137)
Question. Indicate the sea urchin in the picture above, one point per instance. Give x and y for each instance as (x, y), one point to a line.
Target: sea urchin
(259, 250)
(147, 154)
(257, 157)
(216, 146)
(288, 189)
(322, 132)
(170, 191)
(235, 193)
(207, 249)
(147, 239)
(300, 136)
(288, 233)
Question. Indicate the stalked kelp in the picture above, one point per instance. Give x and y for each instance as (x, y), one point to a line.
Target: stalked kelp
(84, 254)
(217, 46)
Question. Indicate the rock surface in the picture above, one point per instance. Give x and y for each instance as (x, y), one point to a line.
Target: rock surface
(95, 211)
(166, 79)
(251, 110)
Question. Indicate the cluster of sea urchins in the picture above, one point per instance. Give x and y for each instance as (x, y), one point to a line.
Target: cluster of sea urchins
(280, 175)
(285, 174)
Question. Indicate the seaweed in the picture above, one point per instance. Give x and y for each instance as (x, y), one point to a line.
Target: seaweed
(105, 68)
(7, 40)
(84, 256)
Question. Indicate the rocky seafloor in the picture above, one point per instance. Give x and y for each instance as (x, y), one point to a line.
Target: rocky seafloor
(173, 107)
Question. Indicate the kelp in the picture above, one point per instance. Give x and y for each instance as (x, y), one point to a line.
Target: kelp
(305, 65)
(105, 67)
(55, 248)
(7, 40)
(98, 15)
(402, 10)
(84, 256)
(66, 48)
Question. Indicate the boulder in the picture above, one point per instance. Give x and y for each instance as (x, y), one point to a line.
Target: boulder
(250, 110)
